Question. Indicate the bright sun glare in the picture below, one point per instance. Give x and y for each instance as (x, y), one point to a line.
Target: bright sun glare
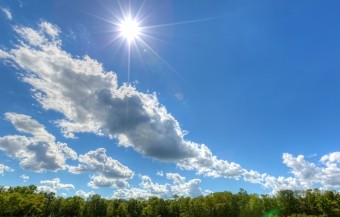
(129, 29)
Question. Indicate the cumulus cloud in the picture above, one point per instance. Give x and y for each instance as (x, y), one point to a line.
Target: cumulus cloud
(7, 13)
(108, 172)
(4, 168)
(99, 181)
(149, 189)
(331, 159)
(39, 152)
(331, 171)
(207, 164)
(305, 174)
(327, 174)
(84, 194)
(134, 118)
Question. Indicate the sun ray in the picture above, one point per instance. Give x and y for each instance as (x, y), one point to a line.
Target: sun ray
(159, 56)
(128, 30)
(182, 23)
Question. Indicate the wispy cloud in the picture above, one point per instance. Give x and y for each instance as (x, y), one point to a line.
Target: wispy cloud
(7, 13)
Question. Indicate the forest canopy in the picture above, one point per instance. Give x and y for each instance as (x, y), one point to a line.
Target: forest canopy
(28, 201)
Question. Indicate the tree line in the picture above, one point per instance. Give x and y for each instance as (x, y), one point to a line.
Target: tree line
(27, 201)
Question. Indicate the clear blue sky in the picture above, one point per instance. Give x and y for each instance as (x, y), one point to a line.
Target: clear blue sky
(206, 97)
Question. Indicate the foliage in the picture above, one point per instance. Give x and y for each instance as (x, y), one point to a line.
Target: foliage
(27, 201)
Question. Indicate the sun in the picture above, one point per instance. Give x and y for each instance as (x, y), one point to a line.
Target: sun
(129, 29)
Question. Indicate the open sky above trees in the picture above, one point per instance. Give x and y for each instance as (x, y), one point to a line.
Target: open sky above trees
(161, 98)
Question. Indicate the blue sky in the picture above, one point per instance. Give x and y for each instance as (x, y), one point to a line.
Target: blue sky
(207, 97)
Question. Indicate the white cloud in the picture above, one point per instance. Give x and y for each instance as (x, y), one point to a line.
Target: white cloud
(49, 29)
(24, 178)
(307, 173)
(92, 101)
(108, 172)
(331, 159)
(148, 188)
(84, 194)
(175, 177)
(254, 177)
(29, 35)
(4, 55)
(45, 36)
(46, 189)
(99, 181)
(279, 183)
(54, 185)
(4, 168)
(25, 124)
(136, 119)
(207, 164)
(7, 13)
(40, 152)
(331, 171)
(159, 173)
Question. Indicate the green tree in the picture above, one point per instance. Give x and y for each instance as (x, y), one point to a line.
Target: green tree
(73, 206)
(329, 203)
(48, 203)
(155, 207)
(173, 207)
(96, 206)
(287, 202)
(254, 207)
(134, 207)
(122, 209)
(184, 204)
